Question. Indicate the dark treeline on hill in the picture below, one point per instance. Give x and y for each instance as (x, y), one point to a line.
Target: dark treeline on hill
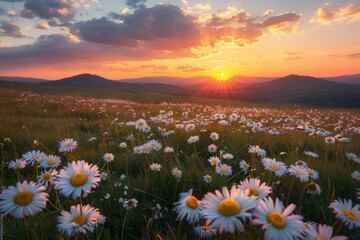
(292, 89)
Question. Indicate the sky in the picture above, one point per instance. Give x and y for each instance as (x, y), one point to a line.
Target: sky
(121, 39)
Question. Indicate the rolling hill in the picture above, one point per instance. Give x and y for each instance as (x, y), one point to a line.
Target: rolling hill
(349, 79)
(94, 81)
(23, 80)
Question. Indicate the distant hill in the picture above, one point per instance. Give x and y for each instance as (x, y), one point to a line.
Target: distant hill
(350, 79)
(22, 79)
(305, 90)
(94, 81)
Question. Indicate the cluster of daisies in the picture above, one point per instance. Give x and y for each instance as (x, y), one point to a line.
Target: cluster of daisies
(75, 180)
(249, 203)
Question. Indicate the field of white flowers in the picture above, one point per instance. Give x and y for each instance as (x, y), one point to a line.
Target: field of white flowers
(80, 168)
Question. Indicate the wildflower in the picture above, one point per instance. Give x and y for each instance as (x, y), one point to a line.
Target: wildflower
(17, 164)
(177, 173)
(131, 203)
(123, 145)
(77, 177)
(47, 177)
(312, 173)
(299, 172)
(193, 139)
(108, 157)
(301, 163)
(214, 136)
(228, 156)
(313, 188)
(311, 154)
(68, 145)
(346, 212)
(205, 231)
(155, 167)
(214, 161)
(329, 140)
(26, 199)
(257, 150)
(255, 188)
(244, 166)
(51, 161)
(274, 166)
(154, 145)
(168, 150)
(140, 123)
(277, 221)
(324, 233)
(223, 210)
(188, 206)
(80, 219)
(34, 156)
(212, 148)
(344, 139)
(207, 178)
(224, 170)
(355, 175)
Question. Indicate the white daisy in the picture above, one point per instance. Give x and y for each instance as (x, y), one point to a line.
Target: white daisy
(188, 206)
(214, 136)
(222, 210)
(244, 166)
(205, 231)
(214, 161)
(77, 178)
(79, 220)
(255, 188)
(223, 169)
(299, 172)
(348, 213)
(277, 222)
(34, 156)
(68, 145)
(207, 178)
(26, 199)
(51, 161)
(47, 177)
(17, 164)
(324, 233)
(155, 167)
(108, 157)
(274, 166)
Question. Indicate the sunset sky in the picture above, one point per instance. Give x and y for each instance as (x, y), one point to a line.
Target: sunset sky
(134, 38)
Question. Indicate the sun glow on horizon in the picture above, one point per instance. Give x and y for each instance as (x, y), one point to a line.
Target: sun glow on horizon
(222, 76)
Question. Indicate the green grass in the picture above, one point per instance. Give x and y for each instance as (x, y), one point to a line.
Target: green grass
(49, 115)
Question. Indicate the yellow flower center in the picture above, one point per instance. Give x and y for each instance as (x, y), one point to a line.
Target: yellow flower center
(79, 220)
(68, 144)
(246, 166)
(277, 220)
(51, 162)
(78, 179)
(352, 216)
(47, 176)
(23, 198)
(35, 157)
(253, 192)
(298, 172)
(192, 202)
(205, 228)
(224, 170)
(17, 164)
(319, 238)
(256, 150)
(358, 176)
(310, 172)
(274, 167)
(229, 207)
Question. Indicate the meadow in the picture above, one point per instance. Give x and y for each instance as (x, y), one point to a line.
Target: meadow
(146, 157)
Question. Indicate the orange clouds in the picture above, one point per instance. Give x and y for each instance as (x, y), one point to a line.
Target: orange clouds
(328, 14)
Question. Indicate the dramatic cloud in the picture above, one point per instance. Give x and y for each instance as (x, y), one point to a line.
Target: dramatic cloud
(136, 3)
(329, 13)
(64, 10)
(188, 68)
(42, 26)
(11, 13)
(59, 49)
(10, 29)
(163, 27)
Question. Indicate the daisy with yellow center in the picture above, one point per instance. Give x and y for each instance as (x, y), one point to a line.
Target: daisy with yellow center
(205, 231)
(47, 177)
(26, 199)
(324, 232)
(223, 169)
(50, 162)
(68, 145)
(278, 223)
(272, 165)
(188, 206)
(223, 210)
(255, 188)
(108, 157)
(77, 178)
(33, 156)
(346, 212)
(80, 219)
(17, 164)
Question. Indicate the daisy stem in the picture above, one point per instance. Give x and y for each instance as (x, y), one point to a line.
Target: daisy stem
(340, 227)
(123, 226)
(269, 179)
(36, 171)
(45, 147)
(58, 200)
(302, 196)
(288, 195)
(26, 227)
(18, 174)
(81, 203)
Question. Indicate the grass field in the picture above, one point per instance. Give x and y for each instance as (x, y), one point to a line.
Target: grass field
(103, 122)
